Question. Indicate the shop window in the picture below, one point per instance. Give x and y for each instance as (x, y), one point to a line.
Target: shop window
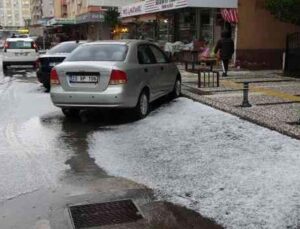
(166, 28)
(186, 25)
(206, 26)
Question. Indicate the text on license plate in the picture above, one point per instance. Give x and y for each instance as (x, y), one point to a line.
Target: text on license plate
(21, 54)
(83, 79)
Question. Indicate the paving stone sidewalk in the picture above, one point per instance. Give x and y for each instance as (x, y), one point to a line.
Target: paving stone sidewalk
(275, 99)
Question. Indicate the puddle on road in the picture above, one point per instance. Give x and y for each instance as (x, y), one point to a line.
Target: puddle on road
(73, 136)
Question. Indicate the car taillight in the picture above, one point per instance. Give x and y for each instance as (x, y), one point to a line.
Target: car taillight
(118, 77)
(54, 77)
(34, 46)
(6, 46)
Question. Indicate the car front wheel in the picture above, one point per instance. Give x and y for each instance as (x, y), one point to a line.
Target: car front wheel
(142, 107)
(177, 89)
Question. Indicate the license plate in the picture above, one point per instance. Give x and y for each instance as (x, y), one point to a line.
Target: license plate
(21, 54)
(83, 79)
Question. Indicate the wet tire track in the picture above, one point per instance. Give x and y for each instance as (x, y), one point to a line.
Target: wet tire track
(26, 155)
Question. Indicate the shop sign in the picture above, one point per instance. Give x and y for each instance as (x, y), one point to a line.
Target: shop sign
(154, 6)
(90, 17)
(162, 5)
(43, 22)
(61, 21)
(133, 9)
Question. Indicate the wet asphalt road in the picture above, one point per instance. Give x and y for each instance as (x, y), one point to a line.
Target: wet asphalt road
(45, 165)
(44, 157)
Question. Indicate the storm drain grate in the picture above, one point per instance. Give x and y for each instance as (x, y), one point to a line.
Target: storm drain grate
(101, 214)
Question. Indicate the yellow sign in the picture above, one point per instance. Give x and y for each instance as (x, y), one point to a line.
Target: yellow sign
(23, 31)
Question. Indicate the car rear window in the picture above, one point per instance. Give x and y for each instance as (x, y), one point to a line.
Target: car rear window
(20, 45)
(99, 52)
(63, 48)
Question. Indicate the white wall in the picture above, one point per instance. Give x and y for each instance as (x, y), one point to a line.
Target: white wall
(48, 8)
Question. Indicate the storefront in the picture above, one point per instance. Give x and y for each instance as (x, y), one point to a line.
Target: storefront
(177, 20)
(90, 26)
(59, 29)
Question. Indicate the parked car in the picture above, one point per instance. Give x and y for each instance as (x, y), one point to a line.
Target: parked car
(19, 51)
(114, 74)
(51, 58)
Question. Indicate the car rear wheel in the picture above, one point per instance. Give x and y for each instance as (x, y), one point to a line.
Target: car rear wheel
(70, 112)
(142, 107)
(4, 66)
(47, 86)
(177, 89)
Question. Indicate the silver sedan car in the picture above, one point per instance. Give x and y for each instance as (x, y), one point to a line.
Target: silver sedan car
(114, 74)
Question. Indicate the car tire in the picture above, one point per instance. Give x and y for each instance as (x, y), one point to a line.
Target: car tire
(47, 86)
(177, 89)
(4, 66)
(70, 112)
(143, 106)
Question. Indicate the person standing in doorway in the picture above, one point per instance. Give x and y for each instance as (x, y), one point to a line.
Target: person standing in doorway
(225, 50)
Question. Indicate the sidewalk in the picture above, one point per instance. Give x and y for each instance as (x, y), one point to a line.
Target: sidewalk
(275, 99)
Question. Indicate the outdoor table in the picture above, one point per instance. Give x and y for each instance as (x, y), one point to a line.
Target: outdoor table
(192, 57)
(210, 62)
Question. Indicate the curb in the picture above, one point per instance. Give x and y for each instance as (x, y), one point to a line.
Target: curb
(271, 123)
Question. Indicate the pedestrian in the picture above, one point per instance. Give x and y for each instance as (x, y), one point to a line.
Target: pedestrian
(225, 50)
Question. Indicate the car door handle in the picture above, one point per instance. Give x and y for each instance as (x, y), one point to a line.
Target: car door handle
(162, 68)
(145, 69)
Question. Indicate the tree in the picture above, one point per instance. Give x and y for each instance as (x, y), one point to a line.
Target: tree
(285, 10)
(111, 17)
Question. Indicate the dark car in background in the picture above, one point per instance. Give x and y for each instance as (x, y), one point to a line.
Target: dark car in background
(53, 57)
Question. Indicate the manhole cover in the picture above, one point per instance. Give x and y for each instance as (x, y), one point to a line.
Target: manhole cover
(100, 214)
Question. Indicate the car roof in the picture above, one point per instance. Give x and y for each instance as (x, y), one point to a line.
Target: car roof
(79, 42)
(19, 39)
(119, 42)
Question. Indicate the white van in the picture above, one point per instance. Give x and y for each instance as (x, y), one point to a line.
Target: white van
(19, 51)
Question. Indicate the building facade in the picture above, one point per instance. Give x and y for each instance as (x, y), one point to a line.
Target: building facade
(1, 13)
(48, 8)
(260, 38)
(36, 11)
(16, 13)
(86, 17)
(41, 10)
(176, 20)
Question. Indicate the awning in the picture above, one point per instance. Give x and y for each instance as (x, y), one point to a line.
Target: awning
(230, 15)
(61, 21)
(90, 17)
(155, 6)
